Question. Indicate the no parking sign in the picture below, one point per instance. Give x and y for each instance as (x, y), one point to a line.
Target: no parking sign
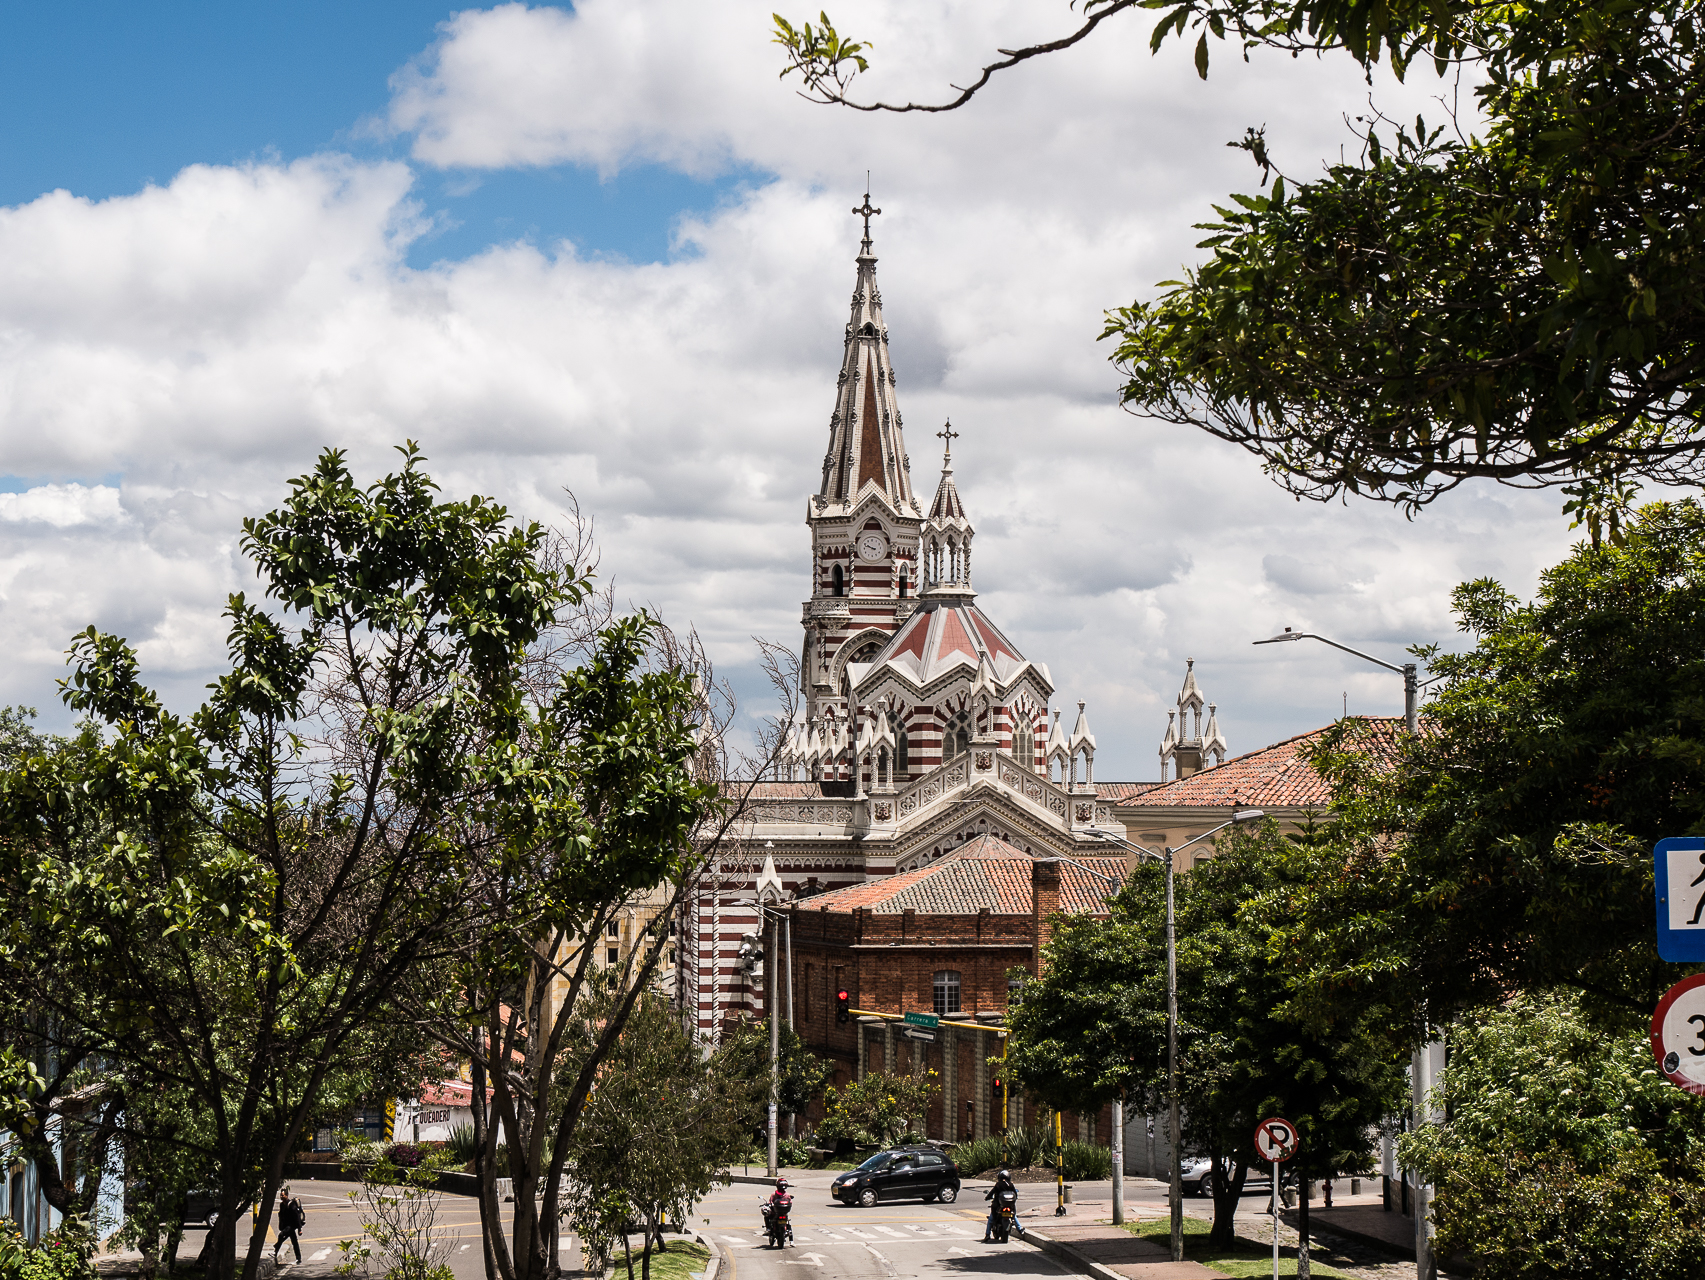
(1276, 1140)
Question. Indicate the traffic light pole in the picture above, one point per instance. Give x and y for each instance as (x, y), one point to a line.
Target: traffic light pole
(775, 1039)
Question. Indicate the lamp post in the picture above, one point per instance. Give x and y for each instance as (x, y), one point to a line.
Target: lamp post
(1426, 1266)
(1176, 1194)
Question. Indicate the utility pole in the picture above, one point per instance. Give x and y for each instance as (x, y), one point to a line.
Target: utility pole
(773, 990)
(1118, 1162)
(1177, 1190)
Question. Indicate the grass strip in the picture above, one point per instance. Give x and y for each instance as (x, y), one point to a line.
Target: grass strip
(1245, 1258)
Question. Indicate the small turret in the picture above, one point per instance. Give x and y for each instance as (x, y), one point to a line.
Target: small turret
(1186, 744)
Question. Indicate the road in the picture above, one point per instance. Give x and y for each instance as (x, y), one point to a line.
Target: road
(832, 1242)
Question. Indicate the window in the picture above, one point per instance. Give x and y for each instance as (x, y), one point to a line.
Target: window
(612, 955)
(837, 582)
(902, 768)
(956, 736)
(1024, 744)
(902, 584)
(806, 1010)
(946, 992)
(613, 929)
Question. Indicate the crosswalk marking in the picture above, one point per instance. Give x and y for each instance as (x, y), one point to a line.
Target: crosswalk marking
(889, 1231)
(862, 1235)
(320, 1256)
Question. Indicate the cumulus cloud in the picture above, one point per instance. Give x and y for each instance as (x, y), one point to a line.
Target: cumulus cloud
(204, 338)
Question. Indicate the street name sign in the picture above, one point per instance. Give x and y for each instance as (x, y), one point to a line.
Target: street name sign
(1679, 876)
(1678, 1034)
(930, 1020)
(1276, 1140)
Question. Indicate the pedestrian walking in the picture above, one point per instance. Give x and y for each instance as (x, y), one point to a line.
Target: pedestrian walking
(291, 1220)
(1326, 1190)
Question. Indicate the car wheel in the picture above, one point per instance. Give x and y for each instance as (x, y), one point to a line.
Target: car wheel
(867, 1198)
(948, 1194)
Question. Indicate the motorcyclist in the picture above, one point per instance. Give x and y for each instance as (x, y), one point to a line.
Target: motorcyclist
(1004, 1180)
(780, 1201)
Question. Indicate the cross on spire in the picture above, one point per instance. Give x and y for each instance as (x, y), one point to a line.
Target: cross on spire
(865, 210)
(949, 435)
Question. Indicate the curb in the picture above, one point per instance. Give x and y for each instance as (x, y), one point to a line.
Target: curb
(1065, 1253)
(715, 1264)
(1350, 1233)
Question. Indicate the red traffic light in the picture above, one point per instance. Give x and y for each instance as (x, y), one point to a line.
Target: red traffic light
(843, 1007)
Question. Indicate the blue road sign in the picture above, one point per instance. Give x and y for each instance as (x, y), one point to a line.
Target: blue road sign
(1679, 877)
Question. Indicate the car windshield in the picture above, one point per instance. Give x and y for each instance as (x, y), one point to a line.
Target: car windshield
(877, 1161)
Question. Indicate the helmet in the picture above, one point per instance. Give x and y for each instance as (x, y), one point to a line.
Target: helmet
(781, 1184)
(1006, 1173)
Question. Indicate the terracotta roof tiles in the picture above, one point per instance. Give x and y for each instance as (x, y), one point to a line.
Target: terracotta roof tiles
(985, 872)
(1275, 777)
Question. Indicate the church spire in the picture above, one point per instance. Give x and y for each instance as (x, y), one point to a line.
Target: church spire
(947, 532)
(865, 443)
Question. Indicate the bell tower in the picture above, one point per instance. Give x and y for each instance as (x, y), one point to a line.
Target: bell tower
(865, 521)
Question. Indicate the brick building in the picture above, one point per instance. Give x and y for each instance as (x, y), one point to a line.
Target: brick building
(947, 939)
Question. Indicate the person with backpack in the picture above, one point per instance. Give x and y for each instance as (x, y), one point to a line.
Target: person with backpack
(291, 1220)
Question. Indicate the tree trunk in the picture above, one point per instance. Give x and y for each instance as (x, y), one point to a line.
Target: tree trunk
(1302, 1225)
(1227, 1193)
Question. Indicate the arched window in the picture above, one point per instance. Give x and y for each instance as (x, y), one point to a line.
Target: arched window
(837, 582)
(1023, 744)
(956, 736)
(946, 992)
(902, 582)
(902, 766)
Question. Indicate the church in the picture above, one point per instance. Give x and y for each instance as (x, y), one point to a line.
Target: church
(933, 806)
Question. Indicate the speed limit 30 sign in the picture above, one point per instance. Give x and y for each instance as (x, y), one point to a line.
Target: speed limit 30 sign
(1678, 1034)
(1276, 1140)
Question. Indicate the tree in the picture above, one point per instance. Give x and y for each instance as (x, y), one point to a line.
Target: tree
(1092, 1027)
(231, 897)
(744, 1056)
(1521, 307)
(1562, 1152)
(1508, 846)
(657, 1131)
(879, 1109)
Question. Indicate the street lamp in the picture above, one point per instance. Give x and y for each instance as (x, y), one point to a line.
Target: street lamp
(1421, 1064)
(1176, 1195)
(1407, 670)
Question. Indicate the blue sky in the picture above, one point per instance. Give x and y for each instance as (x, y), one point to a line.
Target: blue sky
(221, 296)
(102, 98)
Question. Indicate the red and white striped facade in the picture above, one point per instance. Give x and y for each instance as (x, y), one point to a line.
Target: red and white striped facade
(920, 724)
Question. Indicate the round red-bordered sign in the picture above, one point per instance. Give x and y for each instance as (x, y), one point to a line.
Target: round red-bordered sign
(1276, 1140)
(1678, 1034)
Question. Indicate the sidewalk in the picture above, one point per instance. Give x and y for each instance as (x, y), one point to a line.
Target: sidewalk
(1087, 1242)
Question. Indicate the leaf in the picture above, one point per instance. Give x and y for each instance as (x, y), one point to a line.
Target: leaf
(1202, 56)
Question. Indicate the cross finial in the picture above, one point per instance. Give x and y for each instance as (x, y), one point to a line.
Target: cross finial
(865, 210)
(949, 435)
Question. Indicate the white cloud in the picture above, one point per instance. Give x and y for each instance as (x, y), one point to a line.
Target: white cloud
(205, 338)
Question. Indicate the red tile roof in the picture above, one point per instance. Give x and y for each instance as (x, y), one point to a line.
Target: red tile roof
(1121, 792)
(984, 872)
(1275, 777)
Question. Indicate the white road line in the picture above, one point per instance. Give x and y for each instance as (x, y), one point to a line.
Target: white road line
(922, 1231)
(832, 1235)
(323, 1253)
(889, 1231)
(464, 1248)
(954, 1231)
(862, 1235)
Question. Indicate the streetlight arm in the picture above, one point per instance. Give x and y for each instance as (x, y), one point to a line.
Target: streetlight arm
(1309, 635)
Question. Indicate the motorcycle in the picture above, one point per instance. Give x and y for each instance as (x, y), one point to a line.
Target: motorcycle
(1006, 1213)
(778, 1222)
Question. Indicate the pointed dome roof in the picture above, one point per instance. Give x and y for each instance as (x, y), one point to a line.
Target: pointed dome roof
(941, 637)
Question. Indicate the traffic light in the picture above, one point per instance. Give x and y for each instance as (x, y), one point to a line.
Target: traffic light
(843, 1007)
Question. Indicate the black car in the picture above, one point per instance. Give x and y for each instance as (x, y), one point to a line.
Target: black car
(901, 1173)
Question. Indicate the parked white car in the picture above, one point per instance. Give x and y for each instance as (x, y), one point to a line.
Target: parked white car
(1198, 1174)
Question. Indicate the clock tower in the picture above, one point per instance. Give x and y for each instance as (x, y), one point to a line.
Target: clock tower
(866, 525)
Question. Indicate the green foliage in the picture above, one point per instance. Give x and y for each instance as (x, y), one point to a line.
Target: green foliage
(1522, 306)
(879, 1108)
(744, 1055)
(1509, 846)
(659, 1130)
(461, 1144)
(1563, 1152)
(1093, 1027)
(63, 1253)
(399, 1212)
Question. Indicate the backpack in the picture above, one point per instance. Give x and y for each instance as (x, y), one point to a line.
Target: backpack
(293, 1218)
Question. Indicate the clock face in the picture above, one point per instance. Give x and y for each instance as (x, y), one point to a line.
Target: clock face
(872, 546)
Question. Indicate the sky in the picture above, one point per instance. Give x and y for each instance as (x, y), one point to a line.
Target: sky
(606, 250)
